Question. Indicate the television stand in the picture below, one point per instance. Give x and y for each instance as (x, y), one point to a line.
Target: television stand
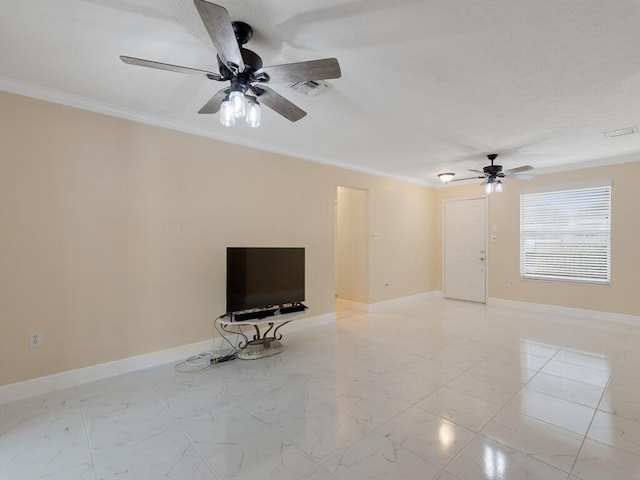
(255, 349)
(265, 342)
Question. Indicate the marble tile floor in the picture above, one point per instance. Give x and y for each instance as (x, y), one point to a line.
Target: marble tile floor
(438, 390)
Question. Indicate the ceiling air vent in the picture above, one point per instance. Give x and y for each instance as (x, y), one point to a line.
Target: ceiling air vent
(311, 88)
(620, 132)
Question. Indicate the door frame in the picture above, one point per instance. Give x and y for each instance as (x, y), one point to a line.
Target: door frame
(486, 243)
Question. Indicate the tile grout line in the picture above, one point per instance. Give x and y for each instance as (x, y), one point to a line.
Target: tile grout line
(565, 378)
(506, 405)
(86, 432)
(165, 405)
(415, 404)
(560, 398)
(479, 434)
(595, 412)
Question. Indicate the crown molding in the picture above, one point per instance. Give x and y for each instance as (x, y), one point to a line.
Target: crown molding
(71, 100)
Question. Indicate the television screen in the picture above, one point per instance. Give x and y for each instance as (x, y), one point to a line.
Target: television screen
(264, 277)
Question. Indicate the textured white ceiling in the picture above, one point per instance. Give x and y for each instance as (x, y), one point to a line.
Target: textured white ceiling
(427, 85)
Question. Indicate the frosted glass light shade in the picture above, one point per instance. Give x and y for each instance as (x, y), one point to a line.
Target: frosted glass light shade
(498, 187)
(237, 104)
(446, 177)
(488, 188)
(227, 117)
(253, 114)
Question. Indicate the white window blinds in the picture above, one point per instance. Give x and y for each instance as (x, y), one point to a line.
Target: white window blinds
(566, 235)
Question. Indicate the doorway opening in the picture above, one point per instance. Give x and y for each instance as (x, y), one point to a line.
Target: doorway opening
(351, 251)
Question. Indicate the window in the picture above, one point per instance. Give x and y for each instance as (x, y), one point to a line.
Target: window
(566, 235)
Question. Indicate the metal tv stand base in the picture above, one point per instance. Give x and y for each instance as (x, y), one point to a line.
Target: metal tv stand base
(259, 349)
(265, 342)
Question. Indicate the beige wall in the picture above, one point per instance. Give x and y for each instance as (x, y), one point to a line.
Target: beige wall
(352, 244)
(114, 233)
(504, 262)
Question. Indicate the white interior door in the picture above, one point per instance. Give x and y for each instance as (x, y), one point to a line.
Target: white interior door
(465, 249)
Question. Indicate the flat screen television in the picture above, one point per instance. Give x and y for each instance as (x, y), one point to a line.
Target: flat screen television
(264, 277)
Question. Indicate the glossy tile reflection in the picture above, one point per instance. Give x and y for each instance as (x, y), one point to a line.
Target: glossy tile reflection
(435, 390)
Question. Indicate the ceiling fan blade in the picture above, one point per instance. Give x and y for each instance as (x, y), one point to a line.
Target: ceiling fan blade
(463, 179)
(302, 71)
(278, 103)
(213, 105)
(171, 68)
(521, 176)
(524, 168)
(476, 171)
(218, 24)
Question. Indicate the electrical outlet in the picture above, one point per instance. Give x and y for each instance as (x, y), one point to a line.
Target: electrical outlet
(35, 339)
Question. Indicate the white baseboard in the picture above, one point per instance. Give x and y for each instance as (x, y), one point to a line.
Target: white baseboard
(360, 307)
(402, 301)
(576, 312)
(73, 378)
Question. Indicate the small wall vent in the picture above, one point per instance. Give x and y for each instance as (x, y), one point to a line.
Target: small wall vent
(311, 88)
(621, 132)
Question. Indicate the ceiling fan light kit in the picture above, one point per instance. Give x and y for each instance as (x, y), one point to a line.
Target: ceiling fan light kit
(237, 105)
(245, 72)
(493, 187)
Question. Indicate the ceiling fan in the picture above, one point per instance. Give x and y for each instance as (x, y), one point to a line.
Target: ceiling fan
(243, 69)
(491, 175)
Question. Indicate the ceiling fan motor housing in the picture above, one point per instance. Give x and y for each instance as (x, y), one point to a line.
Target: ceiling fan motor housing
(493, 171)
(251, 59)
